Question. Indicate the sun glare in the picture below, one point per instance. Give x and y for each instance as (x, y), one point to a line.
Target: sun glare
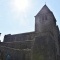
(20, 5)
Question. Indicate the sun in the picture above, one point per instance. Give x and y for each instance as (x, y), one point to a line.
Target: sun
(20, 5)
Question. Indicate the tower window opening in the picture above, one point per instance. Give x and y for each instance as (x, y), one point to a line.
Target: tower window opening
(44, 17)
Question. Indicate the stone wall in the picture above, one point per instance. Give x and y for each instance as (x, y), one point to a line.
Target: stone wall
(59, 43)
(18, 45)
(44, 48)
(19, 37)
(15, 54)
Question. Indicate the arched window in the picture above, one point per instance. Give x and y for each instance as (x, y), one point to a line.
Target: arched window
(8, 57)
(44, 17)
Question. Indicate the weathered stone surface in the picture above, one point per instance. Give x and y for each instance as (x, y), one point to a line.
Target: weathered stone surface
(44, 48)
(42, 44)
(19, 37)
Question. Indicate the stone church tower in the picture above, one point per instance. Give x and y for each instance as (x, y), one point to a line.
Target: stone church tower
(45, 25)
(46, 22)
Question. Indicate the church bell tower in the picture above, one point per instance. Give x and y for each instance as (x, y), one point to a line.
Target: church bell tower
(44, 20)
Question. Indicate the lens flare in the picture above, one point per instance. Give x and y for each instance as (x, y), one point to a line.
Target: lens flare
(20, 5)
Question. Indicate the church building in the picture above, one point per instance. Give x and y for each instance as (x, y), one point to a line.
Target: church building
(42, 44)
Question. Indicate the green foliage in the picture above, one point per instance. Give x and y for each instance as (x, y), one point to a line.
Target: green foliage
(37, 57)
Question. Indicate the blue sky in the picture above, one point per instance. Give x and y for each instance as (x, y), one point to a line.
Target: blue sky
(13, 21)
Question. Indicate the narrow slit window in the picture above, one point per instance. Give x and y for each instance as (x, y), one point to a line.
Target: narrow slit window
(45, 17)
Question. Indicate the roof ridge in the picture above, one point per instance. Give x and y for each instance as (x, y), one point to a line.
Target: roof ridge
(44, 7)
